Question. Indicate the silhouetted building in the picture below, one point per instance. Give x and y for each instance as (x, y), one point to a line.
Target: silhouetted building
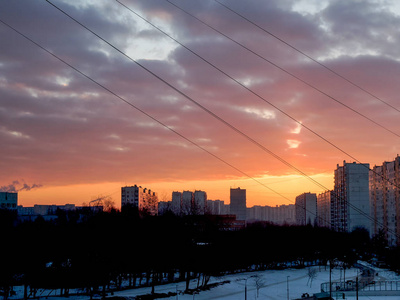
(199, 202)
(176, 203)
(164, 207)
(238, 203)
(8, 200)
(279, 215)
(306, 209)
(187, 202)
(143, 199)
(227, 222)
(51, 212)
(217, 207)
(350, 201)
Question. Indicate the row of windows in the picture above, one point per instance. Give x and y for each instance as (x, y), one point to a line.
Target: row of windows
(8, 205)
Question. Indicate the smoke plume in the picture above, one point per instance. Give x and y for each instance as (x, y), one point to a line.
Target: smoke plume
(17, 186)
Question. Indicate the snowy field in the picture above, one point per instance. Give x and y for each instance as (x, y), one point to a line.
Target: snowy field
(275, 285)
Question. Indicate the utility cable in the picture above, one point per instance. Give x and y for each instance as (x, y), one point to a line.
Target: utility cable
(207, 110)
(144, 112)
(252, 92)
(308, 56)
(285, 71)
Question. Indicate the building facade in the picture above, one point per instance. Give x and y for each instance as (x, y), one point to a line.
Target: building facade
(199, 202)
(306, 209)
(384, 191)
(187, 202)
(238, 203)
(8, 200)
(176, 203)
(324, 202)
(143, 199)
(350, 201)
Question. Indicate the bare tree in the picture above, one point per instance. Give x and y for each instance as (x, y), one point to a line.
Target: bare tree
(259, 283)
(312, 274)
(108, 204)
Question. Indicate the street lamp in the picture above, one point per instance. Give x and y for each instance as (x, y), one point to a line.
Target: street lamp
(245, 289)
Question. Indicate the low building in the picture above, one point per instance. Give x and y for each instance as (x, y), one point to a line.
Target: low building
(279, 215)
(8, 200)
(51, 212)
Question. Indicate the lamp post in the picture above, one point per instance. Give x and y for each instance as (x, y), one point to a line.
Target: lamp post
(287, 286)
(245, 289)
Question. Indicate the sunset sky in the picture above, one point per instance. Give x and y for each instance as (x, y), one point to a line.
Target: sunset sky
(240, 104)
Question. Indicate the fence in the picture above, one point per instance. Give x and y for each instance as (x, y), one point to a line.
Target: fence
(362, 285)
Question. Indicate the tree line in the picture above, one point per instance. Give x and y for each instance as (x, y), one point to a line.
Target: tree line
(106, 249)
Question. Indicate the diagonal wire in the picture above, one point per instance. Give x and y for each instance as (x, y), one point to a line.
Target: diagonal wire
(286, 71)
(210, 112)
(142, 111)
(254, 93)
(308, 56)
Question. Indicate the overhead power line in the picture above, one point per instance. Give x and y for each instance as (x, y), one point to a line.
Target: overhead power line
(214, 115)
(142, 111)
(210, 112)
(308, 56)
(286, 71)
(250, 90)
(150, 116)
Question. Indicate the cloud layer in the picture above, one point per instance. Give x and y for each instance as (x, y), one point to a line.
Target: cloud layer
(59, 128)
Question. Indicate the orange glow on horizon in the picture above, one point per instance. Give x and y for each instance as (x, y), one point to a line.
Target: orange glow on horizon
(288, 186)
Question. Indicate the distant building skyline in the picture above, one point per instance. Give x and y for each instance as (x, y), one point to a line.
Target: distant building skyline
(361, 198)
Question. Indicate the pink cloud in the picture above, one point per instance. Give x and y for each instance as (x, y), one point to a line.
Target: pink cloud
(57, 127)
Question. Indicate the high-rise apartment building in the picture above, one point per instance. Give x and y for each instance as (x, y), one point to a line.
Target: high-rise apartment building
(306, 209)
(324, 202)
(176, 203)
(187, 202)
(384, 182)
(238, 203)
(141, 198)
(217, 207)
(350, 201)
(199, 202)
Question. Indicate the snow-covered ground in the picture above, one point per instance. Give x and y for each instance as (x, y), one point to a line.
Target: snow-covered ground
(276, 284)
